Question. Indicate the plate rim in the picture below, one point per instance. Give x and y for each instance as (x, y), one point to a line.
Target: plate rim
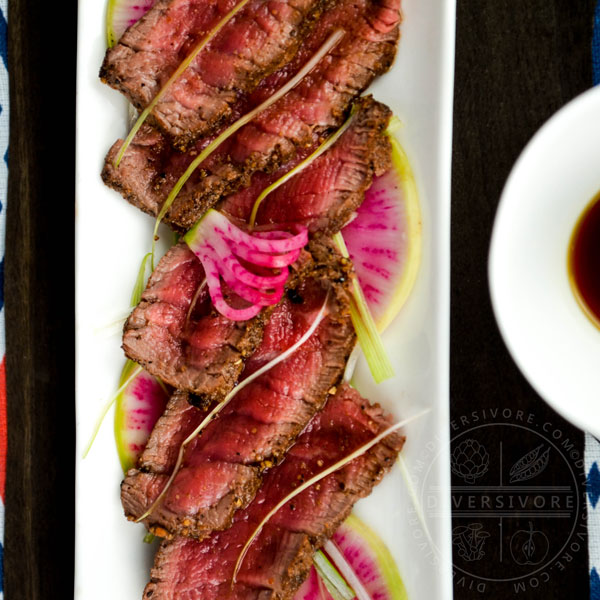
(440, 254)
(568, 111)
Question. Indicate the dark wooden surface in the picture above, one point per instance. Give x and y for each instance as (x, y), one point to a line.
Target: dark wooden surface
(39, 312)
(517, 62)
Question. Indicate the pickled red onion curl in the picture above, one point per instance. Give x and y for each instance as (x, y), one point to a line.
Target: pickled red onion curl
(219, 245)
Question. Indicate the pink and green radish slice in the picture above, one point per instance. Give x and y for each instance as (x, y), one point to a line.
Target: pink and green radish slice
(122, 14)
(313, 588)
(138, 407)
(384, 240)
(364, 562)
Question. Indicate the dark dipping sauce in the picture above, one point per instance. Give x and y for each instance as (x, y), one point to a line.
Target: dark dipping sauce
(584, 261)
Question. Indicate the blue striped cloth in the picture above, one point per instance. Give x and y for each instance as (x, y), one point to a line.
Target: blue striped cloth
(592, 466)
(592, 446)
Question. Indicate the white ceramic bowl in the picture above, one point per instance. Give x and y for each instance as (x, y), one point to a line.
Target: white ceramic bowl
(552, 341)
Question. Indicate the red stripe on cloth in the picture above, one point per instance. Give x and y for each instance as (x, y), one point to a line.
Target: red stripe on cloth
(2, 427)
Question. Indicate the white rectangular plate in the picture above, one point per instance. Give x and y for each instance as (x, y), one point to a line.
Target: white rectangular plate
(112, 236)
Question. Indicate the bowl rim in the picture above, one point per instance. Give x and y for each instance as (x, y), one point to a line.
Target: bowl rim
(579, 104)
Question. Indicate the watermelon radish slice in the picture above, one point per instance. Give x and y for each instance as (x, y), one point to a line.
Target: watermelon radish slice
(138, 407)
(122, 14)
(313, 588)
(384, 240)
(370, 562)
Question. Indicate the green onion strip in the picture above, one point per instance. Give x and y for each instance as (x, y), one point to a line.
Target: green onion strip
(110, 34)
(140, 282)
(136, 371)
(310, 482)
(334, 582)
(364, 325)
(330, 141)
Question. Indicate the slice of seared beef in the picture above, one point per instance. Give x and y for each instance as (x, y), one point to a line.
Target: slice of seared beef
(195, 349)
(324, 195)
(281, 556)
(152, 49)
(177, 335)
(297, 122)
(222, 468)
(260, 39)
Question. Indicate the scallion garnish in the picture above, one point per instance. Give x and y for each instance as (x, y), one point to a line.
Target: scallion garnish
(366, 330)
(330, 141)
(310, 482)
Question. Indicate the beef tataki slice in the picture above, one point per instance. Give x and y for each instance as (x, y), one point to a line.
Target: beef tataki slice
(222, 468)
(257, 41)
(325, 194)
(295, 123)
(281, 556)
(198, 350)
(152, 48)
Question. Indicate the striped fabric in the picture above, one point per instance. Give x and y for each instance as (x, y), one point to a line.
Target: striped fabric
(3, 186)
(592, 467)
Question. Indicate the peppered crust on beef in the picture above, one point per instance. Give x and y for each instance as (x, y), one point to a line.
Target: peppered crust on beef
(281, 556)
(297, 122)
(176, 334)
(261, 38)
(222, 468)
(325, 194)
(191, 348)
